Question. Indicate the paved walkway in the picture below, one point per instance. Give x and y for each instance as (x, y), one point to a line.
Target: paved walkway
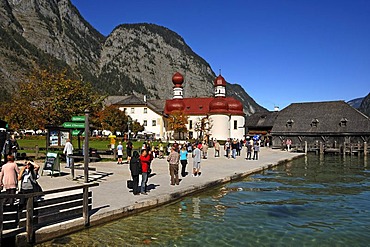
(112, 199)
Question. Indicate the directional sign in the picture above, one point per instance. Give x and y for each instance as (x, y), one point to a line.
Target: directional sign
(76, 132)
(73, 125)
(78, 119)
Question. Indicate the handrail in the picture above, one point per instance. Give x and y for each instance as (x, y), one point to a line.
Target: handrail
(30, 206)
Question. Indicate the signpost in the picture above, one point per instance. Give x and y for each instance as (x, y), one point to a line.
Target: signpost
(73, 125)
(78, 119)
(86, 147)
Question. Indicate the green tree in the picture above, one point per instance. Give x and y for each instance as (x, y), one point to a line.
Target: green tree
(49, 98)
(113, 119)
(136, 127)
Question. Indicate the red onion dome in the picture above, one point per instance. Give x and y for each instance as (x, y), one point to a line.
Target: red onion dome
(177, 79)
(175, 105)
(218, 105)
(220, 81)
(235, 106)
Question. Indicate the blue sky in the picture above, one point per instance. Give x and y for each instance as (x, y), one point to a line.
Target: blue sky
(280, 51)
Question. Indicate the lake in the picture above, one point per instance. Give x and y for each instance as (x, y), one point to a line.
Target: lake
(311, 201)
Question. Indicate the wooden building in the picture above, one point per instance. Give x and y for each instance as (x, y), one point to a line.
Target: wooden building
(261, 123)
(331, 123)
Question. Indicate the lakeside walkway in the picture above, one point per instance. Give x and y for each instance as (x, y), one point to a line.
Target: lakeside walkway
(112, 199)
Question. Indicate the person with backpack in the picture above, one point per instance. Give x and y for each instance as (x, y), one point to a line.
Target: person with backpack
(27, 178)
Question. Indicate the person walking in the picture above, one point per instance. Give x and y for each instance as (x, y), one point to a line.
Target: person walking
(249, 151)
(145, 161)
(256, 149)
(234, 147)
(11, 147)
(217, 148)
(135, 168)
(68, 151)
(183, 160)
(205, 150)
(288, 144)
(129, 148)
(196, 161)
(227, 148)
(119, 153)
(8, 178)
(173, 160)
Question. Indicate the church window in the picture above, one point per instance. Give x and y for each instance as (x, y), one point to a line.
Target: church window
(145, 110)
(145, 123)
(154, 123)
(132, 110)
(235, 124)
(190, 124)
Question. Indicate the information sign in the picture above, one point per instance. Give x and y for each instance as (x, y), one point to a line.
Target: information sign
(73, 125)
(78, 119)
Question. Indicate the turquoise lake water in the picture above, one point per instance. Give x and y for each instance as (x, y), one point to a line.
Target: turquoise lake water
(311, 201)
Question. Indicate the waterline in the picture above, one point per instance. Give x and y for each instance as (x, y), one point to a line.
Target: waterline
(307, 202)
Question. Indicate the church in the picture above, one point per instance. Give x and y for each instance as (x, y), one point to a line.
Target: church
(218, 117)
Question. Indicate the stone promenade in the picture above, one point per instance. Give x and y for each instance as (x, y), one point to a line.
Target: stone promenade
(112, 199)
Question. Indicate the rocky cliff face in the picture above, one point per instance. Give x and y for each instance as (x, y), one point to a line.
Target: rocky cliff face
(365, 105)
(45, 32)
(137, 58)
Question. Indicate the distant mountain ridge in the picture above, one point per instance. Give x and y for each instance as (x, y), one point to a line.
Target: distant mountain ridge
(362, 104)
(356, 103)
(134, 58)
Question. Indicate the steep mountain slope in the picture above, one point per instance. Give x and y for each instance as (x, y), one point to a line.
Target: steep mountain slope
(356, 103)
(137, 58)
(41, 32)
(365, 105)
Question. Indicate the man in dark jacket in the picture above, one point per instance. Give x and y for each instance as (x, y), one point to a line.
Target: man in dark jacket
(135, 168)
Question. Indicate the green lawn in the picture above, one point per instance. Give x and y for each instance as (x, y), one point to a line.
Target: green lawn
(28, 144)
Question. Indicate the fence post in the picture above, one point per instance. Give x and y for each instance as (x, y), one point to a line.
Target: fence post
(29, 220)
(305, 147)
(321, 148)
(37, 152)
(365, 148)
(85, 212)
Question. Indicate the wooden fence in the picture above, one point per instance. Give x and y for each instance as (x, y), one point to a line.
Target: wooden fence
(343, 149)
(60, 205)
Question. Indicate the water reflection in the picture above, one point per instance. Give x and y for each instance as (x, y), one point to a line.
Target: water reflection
(313, 201)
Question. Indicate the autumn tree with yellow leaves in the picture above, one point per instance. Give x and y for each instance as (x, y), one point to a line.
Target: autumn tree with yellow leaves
(49, 98)
(177, 123)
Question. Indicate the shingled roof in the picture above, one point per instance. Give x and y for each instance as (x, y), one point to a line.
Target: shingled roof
(133, 100)
(261, 119)
(323, 118)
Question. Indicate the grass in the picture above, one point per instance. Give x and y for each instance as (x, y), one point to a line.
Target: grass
(28, 143)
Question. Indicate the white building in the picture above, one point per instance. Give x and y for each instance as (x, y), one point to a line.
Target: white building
(222, 116)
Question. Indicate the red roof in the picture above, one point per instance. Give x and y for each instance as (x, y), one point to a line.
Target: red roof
(200, 106)
(220, 81)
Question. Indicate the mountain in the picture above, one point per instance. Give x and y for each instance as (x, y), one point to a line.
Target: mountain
(134, 58)
(356, 103)
(365, 105)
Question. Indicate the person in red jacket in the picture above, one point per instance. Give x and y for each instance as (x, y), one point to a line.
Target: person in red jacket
(145, 159)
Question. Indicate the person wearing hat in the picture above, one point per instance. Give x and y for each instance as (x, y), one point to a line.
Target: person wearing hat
(27, 179)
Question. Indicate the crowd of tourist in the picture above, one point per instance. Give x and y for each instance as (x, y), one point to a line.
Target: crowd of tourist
(178, 154)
